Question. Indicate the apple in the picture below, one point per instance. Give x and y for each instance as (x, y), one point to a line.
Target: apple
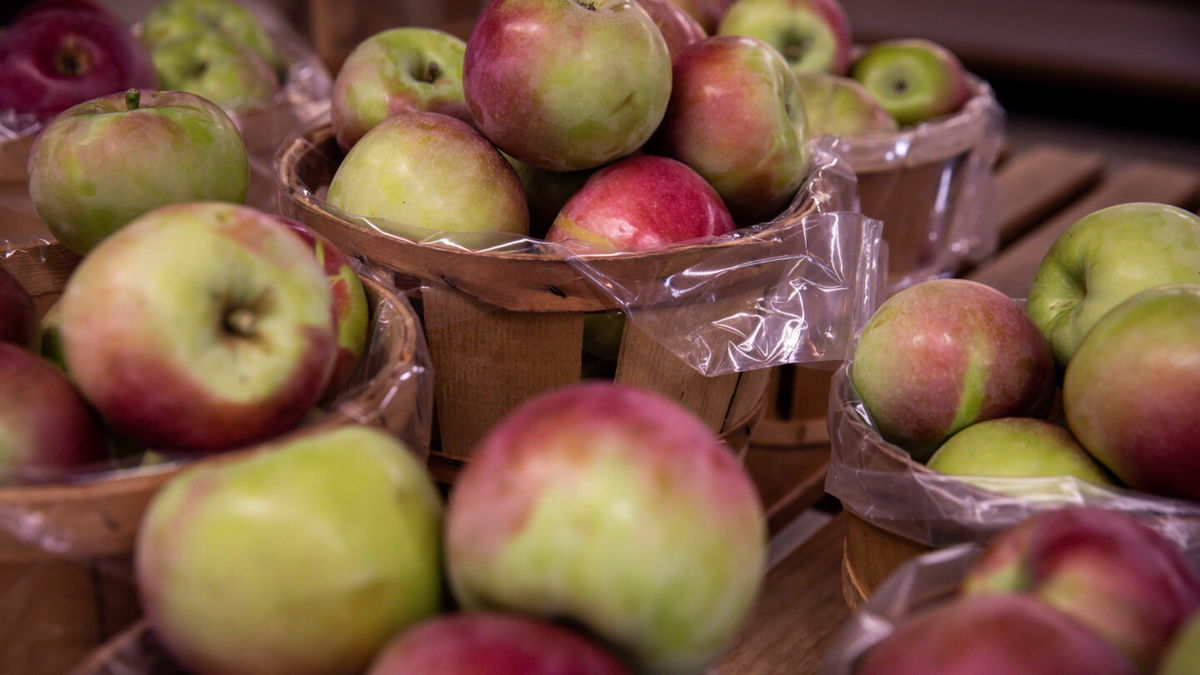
(546, 192)
(304, 557)
(813, 35)
(350, 310)
(46, 428)
(1016, 447)
(841, 106)
(679, 29)
(200, 327)
(492, 643)
(1103, 568)
(913, 79)
(174, 19)
(737, 119)
(57, 56)
(102, 163)
(990, 635)
(1104, 258)
(707, 13)
(1183, 653)
(1130, 391)
(215, 67)
(616, 510)
(946, 353)
(18, 321)
(73, 5)
(431, 171)
(641, 203)
(566, 85)
(408, 69)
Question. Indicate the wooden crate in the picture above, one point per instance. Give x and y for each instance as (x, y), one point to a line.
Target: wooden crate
(504, 326)
(66, 581)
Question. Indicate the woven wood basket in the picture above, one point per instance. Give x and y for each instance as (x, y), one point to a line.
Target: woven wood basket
(66, 580)
(503, 327)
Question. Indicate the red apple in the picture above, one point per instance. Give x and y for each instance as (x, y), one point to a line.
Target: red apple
(615, 509)
(351, 314)
(737, 118)
(707, 13)
(18, 321)
(678, 28)
(53, 58)
(945, 353)
(1131, 388)
(46, 428)
(641, 203)
(488, 643)
(993, 635)
(1104, 568)
(199, 327)
(566, 85)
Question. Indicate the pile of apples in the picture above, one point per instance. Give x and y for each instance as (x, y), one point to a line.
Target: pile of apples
(196, 328)
(1078, 590)
(599, 529)
(1096, 377)
(58, 53)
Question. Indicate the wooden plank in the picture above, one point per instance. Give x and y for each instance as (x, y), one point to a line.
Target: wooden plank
(1012, 270)
(789, 480)
(799, 610)
(1036, 183)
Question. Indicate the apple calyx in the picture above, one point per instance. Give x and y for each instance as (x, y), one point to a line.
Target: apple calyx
(133, 99)
(795, 46)
(429, 73)
(71, 61)
(241, 322)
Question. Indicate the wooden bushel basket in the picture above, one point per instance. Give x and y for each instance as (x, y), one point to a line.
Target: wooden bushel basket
(923, 184)
(503, 327)
(66, 581)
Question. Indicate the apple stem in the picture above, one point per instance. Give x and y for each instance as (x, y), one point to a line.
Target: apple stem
(133, 99)
(241, 322)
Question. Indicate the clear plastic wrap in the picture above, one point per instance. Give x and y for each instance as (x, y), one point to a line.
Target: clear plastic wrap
(301, 102)
(880, 483)
(794, 289)
(932, 185)
(919, 583)
(65, 568)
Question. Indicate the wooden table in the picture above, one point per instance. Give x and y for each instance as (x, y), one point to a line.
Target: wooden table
(1043, 190)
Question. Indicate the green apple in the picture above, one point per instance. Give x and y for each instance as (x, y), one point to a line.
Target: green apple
(546, 192)
(841, 106)
(176, 18)
(1183, 654)
(216, 67)
(915, 80)
(398, 70)
(102, 163)
(1106, 257)
(813, 35)
(200, 327)
(302, 558)
(1016, 447)
(429, 171)
(1130, 391)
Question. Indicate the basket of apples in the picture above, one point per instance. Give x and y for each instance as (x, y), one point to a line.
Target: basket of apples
(196, 330)
(601, 528)
(539, 191)
(921, 132)
(963, 411)
(1074, 590)
(245, 58)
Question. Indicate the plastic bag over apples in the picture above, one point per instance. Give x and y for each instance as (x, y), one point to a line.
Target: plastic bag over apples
(794, 289)
(917, 584)
(932, 184)
(881, 484)
(72, 540)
